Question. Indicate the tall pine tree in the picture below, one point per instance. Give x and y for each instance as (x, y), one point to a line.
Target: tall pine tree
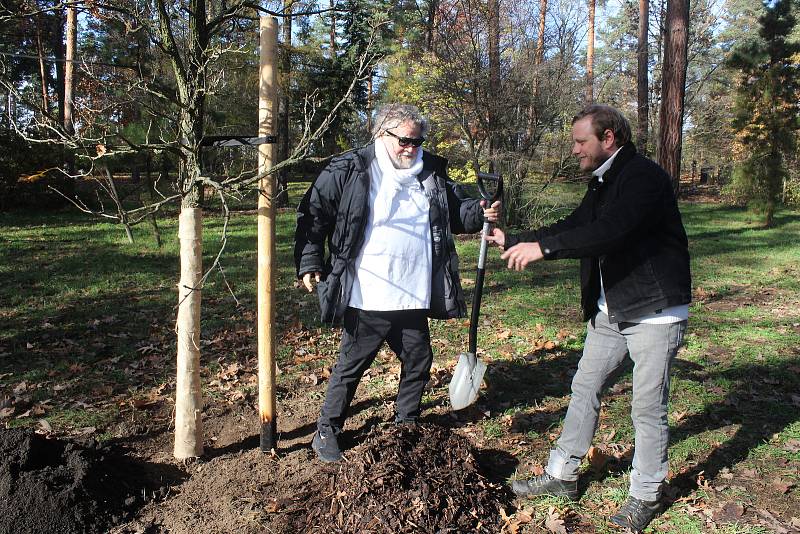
(766, 117)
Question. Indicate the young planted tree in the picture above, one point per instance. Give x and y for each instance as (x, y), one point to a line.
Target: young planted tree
(766, 112)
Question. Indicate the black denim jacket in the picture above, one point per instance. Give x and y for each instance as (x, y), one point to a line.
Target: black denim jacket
(629, 226)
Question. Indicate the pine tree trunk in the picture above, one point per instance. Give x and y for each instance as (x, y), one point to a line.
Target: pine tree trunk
(58, 50)
(590, 56)
(333, 29)
(539, 55)
(369, 102)
(69, 67)
(538, 59)
(42, 68)
(430, 25)
(642, 85)
(282, 195)
(494, 74)
(673, 89)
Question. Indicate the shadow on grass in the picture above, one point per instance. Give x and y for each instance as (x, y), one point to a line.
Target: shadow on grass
(759, 402)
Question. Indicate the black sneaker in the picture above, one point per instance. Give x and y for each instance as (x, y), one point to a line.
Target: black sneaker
(412, 423)
(545, 485)
(636, 514)
(326, 446)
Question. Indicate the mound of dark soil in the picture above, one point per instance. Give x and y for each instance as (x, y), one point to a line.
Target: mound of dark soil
(50, 485)
(420, 479)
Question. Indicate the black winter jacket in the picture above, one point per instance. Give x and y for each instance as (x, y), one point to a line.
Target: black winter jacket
(335, 210)
(630, 227)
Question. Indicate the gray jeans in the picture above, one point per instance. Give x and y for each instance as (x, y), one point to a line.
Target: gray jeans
(652, 347)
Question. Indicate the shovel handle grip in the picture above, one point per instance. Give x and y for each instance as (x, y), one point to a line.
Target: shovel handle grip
(490, 177)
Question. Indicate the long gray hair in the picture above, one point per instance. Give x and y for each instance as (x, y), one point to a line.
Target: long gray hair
(393, 115)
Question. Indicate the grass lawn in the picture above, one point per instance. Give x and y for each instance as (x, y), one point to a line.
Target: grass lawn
(86, 338)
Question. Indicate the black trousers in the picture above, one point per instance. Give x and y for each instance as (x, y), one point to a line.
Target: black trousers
(363, 334)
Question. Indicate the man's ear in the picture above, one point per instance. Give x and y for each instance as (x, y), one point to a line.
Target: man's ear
(609, 140)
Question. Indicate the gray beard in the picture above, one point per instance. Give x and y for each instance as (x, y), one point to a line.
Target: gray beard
(401, 163)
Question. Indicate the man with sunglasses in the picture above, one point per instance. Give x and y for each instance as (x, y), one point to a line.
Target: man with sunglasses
(387, 212)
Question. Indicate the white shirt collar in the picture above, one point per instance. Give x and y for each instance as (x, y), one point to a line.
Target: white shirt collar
(601, 170)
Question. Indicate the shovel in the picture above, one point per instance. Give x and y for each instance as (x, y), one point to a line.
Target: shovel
(469, 371)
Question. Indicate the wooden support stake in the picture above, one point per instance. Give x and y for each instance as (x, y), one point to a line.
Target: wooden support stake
(267, 120)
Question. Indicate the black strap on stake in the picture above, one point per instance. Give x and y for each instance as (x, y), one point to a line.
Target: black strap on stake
(268, 439)
(476, 297)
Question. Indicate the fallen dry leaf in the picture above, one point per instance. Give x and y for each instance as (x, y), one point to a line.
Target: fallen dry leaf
(523, 516)
(792, 445)
(505, 334)
(141, 403)
(43, 427)
(597, 458)
(772, 522)
(507, 525)
(782, 485)
(272, 506)
(537, 470)
(554, 523)
(728, 512)
(749, 473)
(311, 379)
(678, 416)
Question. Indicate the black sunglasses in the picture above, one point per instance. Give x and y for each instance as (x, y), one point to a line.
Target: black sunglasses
(407, 141)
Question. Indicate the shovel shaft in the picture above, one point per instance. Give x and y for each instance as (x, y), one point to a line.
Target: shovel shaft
(476, 297)
(476, 308)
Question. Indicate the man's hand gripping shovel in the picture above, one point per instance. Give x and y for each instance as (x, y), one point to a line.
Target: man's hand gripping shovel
(469, 371)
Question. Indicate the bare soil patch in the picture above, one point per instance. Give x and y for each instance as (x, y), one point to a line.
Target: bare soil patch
(64, 486)
(424, 478)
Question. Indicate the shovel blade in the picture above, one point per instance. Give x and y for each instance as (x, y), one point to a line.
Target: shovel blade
(466, 382)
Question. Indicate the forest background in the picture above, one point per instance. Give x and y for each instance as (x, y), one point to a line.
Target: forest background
(499, 80)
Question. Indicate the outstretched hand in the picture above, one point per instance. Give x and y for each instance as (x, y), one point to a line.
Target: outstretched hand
(521, 254)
